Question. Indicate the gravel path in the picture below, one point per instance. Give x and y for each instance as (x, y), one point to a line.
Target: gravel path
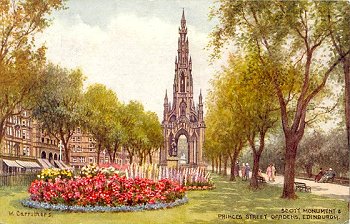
(324, 189)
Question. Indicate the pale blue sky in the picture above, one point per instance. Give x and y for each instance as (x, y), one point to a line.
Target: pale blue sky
(130, 46)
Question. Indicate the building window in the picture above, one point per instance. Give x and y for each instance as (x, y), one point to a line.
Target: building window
(78, 139)
(82, 159)
(90, 139)
(24, 134)
(73, 139)
(78, 130)
(91, 159)
(74, 160)
(42, 140)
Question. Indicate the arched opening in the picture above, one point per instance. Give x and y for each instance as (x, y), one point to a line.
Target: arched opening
(55, 156)
(43, 155)
(50, 157)
(183, 150)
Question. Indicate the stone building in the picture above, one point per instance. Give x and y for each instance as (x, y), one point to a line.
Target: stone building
(183, 124)
(25, 147)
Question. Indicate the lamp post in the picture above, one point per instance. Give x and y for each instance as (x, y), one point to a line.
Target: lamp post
(60, 147)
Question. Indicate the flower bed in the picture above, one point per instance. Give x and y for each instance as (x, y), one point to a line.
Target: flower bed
(76, 208)
(104, 190)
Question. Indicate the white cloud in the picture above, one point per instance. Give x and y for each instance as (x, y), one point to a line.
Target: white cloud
(132, 55)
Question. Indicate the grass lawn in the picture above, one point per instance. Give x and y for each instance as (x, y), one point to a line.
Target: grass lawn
(229, 198)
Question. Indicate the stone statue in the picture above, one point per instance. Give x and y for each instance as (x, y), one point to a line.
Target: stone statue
(173, 147)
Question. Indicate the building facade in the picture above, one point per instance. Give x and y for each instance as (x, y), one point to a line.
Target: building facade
(25, 146)
(183, 124)
(82, 149)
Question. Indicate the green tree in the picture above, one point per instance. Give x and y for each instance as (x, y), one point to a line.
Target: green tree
(21, 62)
(135, 136)
(58, 106)
(289, 38)
(102, 120)
(336, 16)
(153, 130)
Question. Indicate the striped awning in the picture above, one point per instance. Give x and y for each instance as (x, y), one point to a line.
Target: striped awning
(11, 163)
(28, 164)
(59, 164)
(45, 163)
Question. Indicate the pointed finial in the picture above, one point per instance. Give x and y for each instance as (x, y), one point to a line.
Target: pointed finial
(183, 20)
(166, 94)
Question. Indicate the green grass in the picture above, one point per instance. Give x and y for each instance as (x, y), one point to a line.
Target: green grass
(229, 198)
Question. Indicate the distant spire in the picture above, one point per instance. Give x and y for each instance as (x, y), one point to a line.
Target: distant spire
(200, 97)
(166, 98)
(183, 20)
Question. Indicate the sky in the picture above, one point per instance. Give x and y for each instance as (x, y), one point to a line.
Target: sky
(130, 46)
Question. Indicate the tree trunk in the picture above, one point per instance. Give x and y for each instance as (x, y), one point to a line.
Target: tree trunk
(308, 168)
(346, 67)
(254, 181)
(67, 150)
(216, 165)
(233, 163)
(289, 169)
(2, 129)
(220, 171)
(212, 164)
(150, 157)
(98, 153)
(225, 165)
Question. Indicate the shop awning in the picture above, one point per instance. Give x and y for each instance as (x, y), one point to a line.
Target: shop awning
(45, 163)
(59, 164)
(65, 165)
(11, 163)
(28, 164)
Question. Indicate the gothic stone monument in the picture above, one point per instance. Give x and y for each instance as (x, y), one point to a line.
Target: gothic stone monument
(183, 124)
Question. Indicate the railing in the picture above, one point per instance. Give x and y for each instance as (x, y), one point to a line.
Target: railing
(17, 179)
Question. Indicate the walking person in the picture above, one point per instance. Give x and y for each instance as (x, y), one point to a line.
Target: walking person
(269, 172)
(273, 172)
(247, 170)
(243, 171)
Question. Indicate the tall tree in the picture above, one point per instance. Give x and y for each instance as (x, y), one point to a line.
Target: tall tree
(257, 105)
(133, 121)
(288, 37)
(58, 106)
(102, 110)
(153, 130)
(336, 16)
(21, 62)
